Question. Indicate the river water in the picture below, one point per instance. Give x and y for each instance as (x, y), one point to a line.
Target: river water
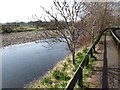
(26, 62)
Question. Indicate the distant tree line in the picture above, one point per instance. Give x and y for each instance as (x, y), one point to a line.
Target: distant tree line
(8, 27)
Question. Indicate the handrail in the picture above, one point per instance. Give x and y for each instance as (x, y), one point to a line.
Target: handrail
(105, 65)
(115, 37)
(78, 73)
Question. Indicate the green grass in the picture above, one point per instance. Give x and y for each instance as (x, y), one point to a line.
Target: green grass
(65, 66)
(60, 75)
(47, 80)
(21, 29)
(64, 71)
(88, 70)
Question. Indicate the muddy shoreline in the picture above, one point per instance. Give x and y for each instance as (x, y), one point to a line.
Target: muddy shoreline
(30, 36)
(20, 37)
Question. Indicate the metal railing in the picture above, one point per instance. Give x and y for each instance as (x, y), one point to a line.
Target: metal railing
(78, 76)
(105, 65)
(116, 39)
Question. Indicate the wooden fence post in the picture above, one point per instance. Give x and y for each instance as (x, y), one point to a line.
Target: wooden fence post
(80, 79)
(94, 49)
(87, 60)
(91, 53)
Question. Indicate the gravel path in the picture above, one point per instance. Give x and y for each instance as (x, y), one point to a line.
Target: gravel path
(112, 74)
(112, 59)
(95, 79)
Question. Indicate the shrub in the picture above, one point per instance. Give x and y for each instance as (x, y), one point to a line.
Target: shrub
(85, 50)
(76, 66)
(65, 66)
(47, 80)
(60, 75)
(80, 55)
(69, 61)
(63, 84)
(90, 65)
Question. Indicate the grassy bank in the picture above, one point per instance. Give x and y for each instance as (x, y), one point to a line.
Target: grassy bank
(23, 28)
(60, 75)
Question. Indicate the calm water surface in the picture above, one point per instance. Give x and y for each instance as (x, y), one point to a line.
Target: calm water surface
(26, 62)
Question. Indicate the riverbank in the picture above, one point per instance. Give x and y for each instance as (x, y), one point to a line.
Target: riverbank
(62, 72)
(30, 36)
(20, 37)
(23, 37)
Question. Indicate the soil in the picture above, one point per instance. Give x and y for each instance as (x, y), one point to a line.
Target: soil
(97, 78)
(30, 36)
(20, 37)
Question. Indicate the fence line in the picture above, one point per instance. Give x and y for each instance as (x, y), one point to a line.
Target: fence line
(115, 37)
(78, 76)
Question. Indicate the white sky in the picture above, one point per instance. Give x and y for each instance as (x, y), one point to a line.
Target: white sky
(22, 10)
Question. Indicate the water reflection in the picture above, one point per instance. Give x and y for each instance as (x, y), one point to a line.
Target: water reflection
(22, 63)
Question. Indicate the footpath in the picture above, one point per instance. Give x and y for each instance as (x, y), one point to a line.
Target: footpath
(106, 70)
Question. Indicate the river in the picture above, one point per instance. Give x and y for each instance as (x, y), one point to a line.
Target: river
(26, 62)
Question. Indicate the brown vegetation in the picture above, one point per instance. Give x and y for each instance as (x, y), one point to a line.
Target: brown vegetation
(79, 18)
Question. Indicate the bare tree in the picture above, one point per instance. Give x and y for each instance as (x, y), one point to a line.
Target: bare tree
(99, 16)
(67, 22)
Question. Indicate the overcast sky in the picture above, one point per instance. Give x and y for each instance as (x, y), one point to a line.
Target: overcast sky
(22, 10)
